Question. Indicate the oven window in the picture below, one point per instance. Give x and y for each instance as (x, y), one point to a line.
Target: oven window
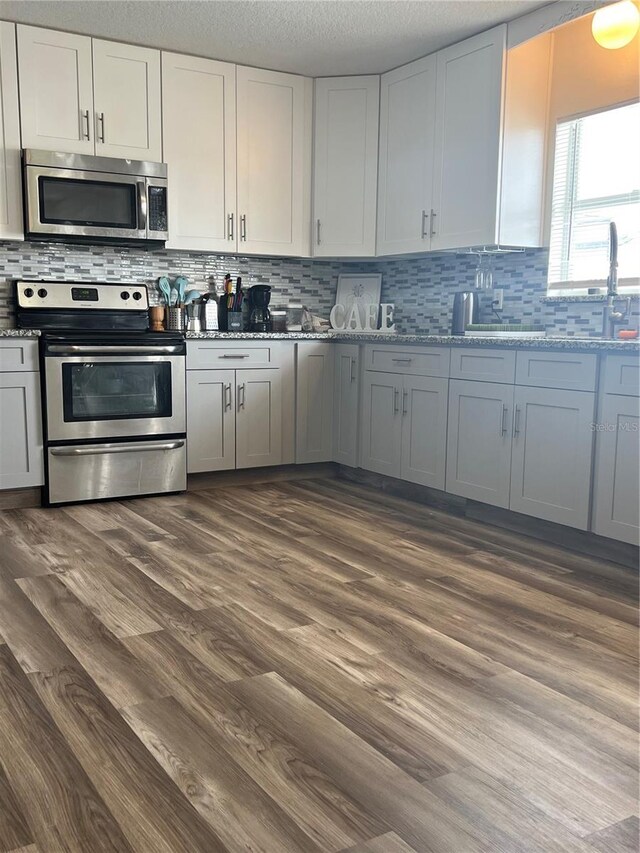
(102, 204)
(116, 390)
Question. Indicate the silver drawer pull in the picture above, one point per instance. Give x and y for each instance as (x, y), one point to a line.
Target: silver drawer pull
(73, 349)
(403, 360)
(503, 423)
(234, 355)
(98, 449)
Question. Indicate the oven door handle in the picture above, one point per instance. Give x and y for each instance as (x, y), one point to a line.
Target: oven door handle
(97, 449)
(81, 349)
(142, 206)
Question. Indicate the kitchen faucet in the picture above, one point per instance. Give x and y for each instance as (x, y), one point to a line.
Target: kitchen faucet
(611, 317)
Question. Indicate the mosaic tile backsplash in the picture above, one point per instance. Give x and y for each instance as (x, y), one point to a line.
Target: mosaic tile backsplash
(421, 288)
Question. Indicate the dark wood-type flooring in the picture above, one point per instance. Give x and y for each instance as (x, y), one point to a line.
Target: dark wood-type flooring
(309, 666)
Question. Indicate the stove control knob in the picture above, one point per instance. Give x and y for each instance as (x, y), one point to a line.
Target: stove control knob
(124, 294)
(42, 293)
(137, 295)
(28, 292)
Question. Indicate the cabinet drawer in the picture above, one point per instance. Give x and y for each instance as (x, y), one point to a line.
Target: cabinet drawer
(621, 375)
(571, 371)
(209, 354)
(433, 361)
(18, 354)
(483, 364)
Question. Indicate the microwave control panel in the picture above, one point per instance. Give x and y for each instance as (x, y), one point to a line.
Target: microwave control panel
(157, 209)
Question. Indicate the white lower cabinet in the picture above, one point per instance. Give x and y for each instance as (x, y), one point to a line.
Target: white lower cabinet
(21, 458)
(551, 456)
(616, 511)
(405, 427)
(234, 419)
(346, 404)
(258, 418)
(479, 441)
(314, 402)
(424, 430)
(211, 437)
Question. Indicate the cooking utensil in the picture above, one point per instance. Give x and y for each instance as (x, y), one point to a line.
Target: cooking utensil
(165, 289)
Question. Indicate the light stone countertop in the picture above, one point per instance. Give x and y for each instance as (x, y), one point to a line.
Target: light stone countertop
(547, 343)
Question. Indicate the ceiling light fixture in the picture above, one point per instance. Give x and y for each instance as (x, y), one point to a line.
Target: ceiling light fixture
(616, 25)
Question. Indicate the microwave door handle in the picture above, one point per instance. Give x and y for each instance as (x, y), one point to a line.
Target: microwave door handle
(142, 205)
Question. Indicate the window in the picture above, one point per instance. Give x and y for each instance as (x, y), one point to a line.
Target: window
(596, 180)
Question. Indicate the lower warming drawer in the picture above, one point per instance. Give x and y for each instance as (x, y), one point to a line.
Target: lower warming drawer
(91, 472)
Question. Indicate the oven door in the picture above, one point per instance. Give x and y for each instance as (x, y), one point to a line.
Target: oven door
(114, 396)
(75, 203)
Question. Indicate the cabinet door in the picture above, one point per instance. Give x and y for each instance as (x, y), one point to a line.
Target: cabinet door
(10, 185)
(211, 436)
(346, 404)
(314, 402)
(200, 93)
(274, 146)
(616, 494)
(21, 459)
(381, 423)
(424, 430)
(56, 90)
(345, 166)
(551, 457)
(127, 101)
(468, 138)
(407, 136)
(258, 418)
(479, 441)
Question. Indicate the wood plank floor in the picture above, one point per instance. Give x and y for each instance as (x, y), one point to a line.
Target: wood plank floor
(310, 666)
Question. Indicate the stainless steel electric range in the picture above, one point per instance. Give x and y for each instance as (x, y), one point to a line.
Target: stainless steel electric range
(113, 393)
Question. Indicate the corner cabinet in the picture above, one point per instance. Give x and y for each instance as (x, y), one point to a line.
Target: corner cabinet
(11, 227)
(345, 166)
(21, 455)
(86, 96)
(314, 401)
(200, 93)
(274, 123)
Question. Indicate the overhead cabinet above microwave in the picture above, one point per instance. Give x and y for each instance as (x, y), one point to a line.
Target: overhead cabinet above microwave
(86, 96)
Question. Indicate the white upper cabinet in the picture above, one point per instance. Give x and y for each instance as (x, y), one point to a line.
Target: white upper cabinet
(56, 90)
(126, 83)
(274, 162)
(407, 135)
(10, 189)
(345, 166)
(468, 138)
(200, 93)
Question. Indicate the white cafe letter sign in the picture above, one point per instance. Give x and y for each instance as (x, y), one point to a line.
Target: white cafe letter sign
(337, 311)
(387, 324)
(343, 320)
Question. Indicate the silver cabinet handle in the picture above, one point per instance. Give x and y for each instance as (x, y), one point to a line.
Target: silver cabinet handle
(432, 230)
(405, 399)
(234, 355)
(100, 127)
(396, 401)
(402, 360)
(318, 232)
(241, 396)
(423, 229)
(516, 422)
(76, 349)
(352, 374)
(142, 205)
(230, 226)
(97, 449)
(227, 397)
(243, 227)
(86, 132)
(503, 422)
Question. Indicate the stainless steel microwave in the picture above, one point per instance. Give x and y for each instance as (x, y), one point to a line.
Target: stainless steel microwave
(76, 198)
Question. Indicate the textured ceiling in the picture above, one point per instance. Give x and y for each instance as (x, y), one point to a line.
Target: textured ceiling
(330, 37)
